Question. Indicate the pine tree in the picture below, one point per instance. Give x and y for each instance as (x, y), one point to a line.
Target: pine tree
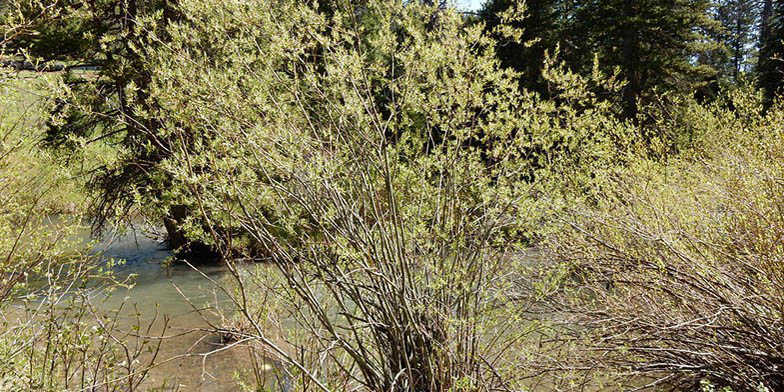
(654, 43)
(771, 61)
(111, 104)
(739, 20)
(544, 28)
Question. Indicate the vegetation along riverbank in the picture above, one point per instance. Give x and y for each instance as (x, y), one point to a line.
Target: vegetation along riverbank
(378, 195)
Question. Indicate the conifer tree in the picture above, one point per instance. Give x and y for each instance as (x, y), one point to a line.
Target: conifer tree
(544, 28)
(737, 36)
(110, 104)
(653, 42)
(771, 61)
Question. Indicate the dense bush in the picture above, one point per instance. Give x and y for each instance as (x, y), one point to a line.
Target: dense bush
(385, 164)
(676, 269)
(392, 176)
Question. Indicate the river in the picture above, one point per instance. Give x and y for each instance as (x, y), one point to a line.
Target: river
(173, 291)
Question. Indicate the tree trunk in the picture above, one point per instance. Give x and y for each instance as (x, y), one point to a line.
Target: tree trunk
(771, 57)
(629, 54)
(172, 222)
(767, 9)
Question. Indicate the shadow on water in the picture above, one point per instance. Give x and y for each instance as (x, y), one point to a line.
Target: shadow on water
(193, 358)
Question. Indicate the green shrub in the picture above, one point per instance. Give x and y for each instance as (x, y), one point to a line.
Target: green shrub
(383, 162)
(53, 336)
(676, 272)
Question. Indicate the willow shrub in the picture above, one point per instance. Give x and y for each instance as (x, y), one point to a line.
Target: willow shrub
(676, 269)
(53, 336)
(380, 159)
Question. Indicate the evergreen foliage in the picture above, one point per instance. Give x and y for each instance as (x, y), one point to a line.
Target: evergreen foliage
(654, 44)
(740, 23)
(108, 104)
(771, 61)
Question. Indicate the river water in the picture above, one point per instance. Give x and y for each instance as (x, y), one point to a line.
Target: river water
(174, 291)
(191, 357)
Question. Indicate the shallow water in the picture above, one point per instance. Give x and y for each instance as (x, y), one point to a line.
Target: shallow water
(173, 291)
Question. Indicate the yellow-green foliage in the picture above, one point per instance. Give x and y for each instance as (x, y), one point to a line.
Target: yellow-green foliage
(52, 336)
(682, 257)
(30, 174)
(387, 166)
(32, 185)
(391, 170)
